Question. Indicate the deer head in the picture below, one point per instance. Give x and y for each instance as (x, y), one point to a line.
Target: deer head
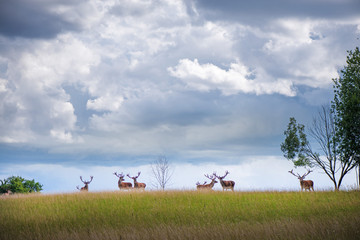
(120, 176)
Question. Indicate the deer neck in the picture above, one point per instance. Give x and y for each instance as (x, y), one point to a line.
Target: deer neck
(222, 182)
(136, 183)
(119, 182)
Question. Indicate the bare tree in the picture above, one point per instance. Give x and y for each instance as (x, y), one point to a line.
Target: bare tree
(323, 131)
(162, 172)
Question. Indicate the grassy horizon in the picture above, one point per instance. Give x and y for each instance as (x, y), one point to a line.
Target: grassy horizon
(181, 215)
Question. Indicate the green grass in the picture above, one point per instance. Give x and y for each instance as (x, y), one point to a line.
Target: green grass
(182, 215)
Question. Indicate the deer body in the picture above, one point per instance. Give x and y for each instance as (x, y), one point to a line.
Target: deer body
(121, 183)
(207, 186)
(304, 184)
(226, 184)
(8, 192)
(307, 185)
(137, 184)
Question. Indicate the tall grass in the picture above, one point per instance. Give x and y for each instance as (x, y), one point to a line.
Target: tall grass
(182, 215)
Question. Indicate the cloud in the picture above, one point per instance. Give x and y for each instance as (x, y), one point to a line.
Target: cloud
(143, 77)
(105, 103)
(255, 13)
(40, 19)
(35, 102)
(236, 79)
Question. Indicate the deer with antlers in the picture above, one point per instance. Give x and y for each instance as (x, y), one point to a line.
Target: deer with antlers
(226, 184)
(307, 184)
(121, 183)
(207, 186)
(86, 187)
(137, 184)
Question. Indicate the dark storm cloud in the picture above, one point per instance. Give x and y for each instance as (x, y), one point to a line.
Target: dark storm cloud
(32, 19)
(264, 10)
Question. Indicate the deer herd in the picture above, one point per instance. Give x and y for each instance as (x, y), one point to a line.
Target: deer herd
(304, 184)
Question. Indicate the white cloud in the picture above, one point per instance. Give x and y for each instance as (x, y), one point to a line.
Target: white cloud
(237, 78)
(131, 60)
(105, 103)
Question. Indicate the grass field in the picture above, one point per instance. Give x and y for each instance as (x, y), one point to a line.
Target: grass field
(182, 215)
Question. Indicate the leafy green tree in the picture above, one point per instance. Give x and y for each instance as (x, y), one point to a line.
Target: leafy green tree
(346, 106)
(294, 145)
(17, 184)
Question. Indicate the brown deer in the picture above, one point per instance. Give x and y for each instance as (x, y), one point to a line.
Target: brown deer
(86, 187)
(307, 184)
(207, 186)
(137, 184)
(8, 192)
(121, 183)
(226, 184)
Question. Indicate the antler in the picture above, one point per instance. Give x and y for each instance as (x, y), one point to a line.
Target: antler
(134, 177)
(309, 171)
(86, 182)
(226, 173)
(91, 178)
(294, 173)
(198, 183)
(210, 177)
(121, 175)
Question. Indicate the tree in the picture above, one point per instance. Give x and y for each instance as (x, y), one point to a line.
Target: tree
(294, 145)
(162, 173)
(323, 132)
(346, 105)
(16, 184)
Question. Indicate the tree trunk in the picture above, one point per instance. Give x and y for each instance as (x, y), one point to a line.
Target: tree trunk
(336, 188)
(358, 180)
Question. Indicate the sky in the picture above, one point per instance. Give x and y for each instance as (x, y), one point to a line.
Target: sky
(90, 87)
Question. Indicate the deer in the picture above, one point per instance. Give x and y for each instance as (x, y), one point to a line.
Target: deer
(307, 184)
(207, 186)
(225, 184)
(137, 184)
(86, 187)
(8, 192)
(121, 183)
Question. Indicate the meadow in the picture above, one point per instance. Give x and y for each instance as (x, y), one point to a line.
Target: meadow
(182, 215)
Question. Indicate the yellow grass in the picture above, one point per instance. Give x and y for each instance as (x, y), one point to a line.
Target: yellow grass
(182, 215)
